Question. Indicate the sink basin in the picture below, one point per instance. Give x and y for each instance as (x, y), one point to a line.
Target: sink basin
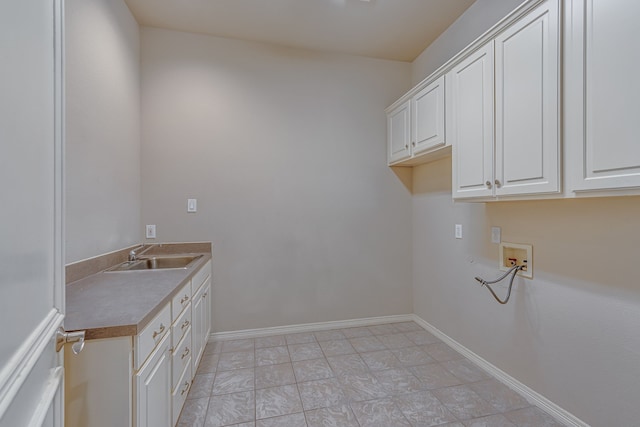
(156, 263)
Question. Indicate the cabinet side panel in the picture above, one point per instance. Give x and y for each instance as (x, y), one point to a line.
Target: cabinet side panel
(98, 388)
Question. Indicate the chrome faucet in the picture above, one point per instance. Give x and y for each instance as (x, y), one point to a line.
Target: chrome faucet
(132, 255)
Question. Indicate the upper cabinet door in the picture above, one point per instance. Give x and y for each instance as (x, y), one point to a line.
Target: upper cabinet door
(603, 104)
(428, 117)
(470, 124)
(399, 132)
(527, 79)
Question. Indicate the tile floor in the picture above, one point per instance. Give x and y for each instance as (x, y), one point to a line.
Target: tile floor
(378, 376)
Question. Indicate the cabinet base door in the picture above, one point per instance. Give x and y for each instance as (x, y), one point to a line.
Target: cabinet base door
(153, 389)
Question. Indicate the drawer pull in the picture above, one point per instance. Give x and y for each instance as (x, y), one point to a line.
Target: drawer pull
(185, 389)
(185, 324)
(159, 331)
(186, 353)
(184, 299)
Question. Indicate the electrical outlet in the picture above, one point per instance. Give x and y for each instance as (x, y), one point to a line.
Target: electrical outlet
(151, 231)
(458, 231)
(516, 254)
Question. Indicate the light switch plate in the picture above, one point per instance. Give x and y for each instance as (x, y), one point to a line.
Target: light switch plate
(458, 231)
(192, 205)
(496, 235)
(151, 231)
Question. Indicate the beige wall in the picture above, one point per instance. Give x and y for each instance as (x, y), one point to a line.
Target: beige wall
(571, 333)
(102, 164)
(481, 15)
(284, 150)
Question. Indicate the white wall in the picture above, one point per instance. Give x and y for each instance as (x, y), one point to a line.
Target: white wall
(570, 334)
(481, 15)
(284, 150)
(102, 164)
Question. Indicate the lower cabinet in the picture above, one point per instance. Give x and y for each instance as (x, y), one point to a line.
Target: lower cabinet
(201, 320)
(152, 389)
(142, 380)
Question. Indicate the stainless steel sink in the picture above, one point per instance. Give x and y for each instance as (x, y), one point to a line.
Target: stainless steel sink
(157, 263)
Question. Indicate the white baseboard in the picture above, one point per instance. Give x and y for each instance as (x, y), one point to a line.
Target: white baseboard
(308, 327)
(532, 396)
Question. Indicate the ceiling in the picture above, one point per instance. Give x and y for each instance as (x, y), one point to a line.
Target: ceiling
(387, 29)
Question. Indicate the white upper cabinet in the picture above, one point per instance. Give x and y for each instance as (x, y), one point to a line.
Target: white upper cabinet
(428, 117)
(527, 104)
(399, 132)
(470, 123)
(603, 112)
(509, 147)
(415, 125)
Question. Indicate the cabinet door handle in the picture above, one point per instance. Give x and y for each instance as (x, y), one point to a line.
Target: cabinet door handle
(185, 324)
(186, 388)
(498, 185)
(186, 353)
(159, 331)
(184, 299)
(205, 295)
(413, 144)
(406, 146)
(488, 184)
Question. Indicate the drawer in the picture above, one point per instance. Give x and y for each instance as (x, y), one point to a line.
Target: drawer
(151, 335)
(181, 324)
(181, 357)
(180, 301)
(198, 279)
(180, 393)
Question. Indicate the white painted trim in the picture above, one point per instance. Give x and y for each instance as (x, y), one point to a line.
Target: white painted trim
(48, 397)
(16, 371)
(308, 327)
(532, 396)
